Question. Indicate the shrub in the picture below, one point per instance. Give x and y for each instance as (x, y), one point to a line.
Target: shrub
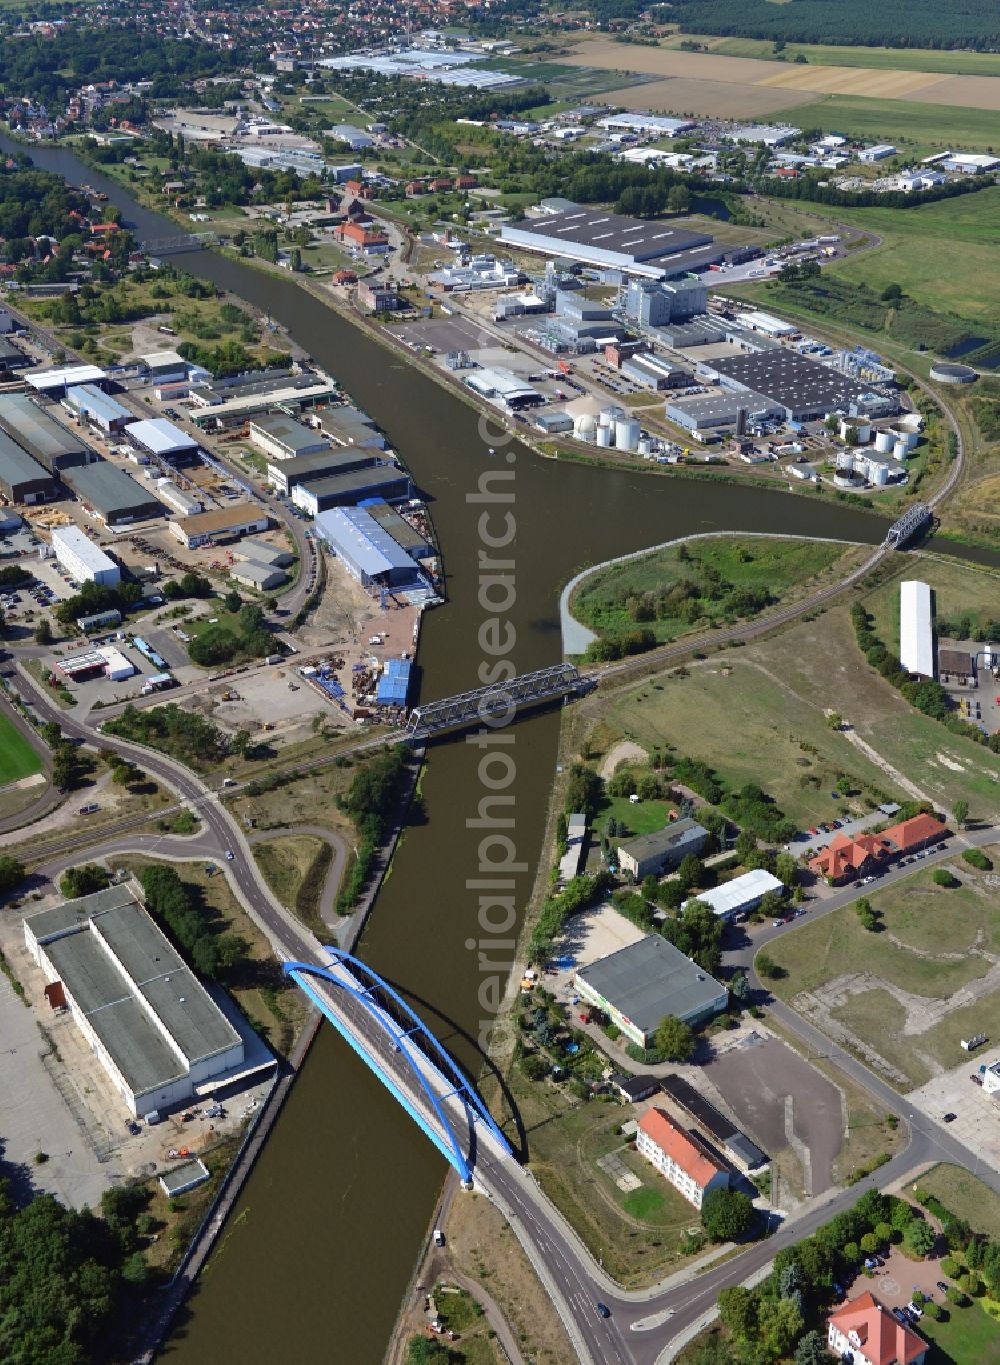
(951, 1268)
(942, 877)
(975, 857)
(956, 1297)
(933, 1310)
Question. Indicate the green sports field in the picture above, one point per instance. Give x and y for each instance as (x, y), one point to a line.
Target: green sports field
(18, 758)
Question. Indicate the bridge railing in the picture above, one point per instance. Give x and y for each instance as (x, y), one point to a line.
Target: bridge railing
(494, 702)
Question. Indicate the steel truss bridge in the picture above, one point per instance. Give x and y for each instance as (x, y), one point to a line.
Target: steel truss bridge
(497, 704)
(176, 246)
(913, 520)
(403, 1053)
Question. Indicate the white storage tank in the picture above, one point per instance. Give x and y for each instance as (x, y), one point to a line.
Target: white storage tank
(845, 461)
(860, 425)
(878, 473)
(884, 442)
(645, 446)
(910, 421)
(906, 435)
(584, 427)
(627, 433)
(604, 434)
(900, 450)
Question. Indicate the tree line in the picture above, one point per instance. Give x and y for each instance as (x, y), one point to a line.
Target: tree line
(895, 23)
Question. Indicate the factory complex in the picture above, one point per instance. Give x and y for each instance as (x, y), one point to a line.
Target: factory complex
(160, 1037)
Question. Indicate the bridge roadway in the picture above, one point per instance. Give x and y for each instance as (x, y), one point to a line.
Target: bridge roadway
(572, 1278)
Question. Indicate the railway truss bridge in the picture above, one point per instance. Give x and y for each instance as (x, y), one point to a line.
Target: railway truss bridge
(495, 705)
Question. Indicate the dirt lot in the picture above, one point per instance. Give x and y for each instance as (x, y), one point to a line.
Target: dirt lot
(777, 1095)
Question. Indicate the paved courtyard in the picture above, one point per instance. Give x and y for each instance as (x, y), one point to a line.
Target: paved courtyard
(977, 1115)
(782, 1101)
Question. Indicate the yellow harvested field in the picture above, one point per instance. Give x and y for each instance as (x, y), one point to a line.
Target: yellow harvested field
(852, 80)
(706, 83)
(712, 99)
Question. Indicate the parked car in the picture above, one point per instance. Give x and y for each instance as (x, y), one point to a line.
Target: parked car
(949, 1118)
(942, 1286)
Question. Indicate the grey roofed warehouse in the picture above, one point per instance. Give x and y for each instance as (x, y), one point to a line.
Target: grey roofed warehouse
(640, 984)
(599, 237)
(22, 479)
(114, 495)
(803, 387)
(49, 442)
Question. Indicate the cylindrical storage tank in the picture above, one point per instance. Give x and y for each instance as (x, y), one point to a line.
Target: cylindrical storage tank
(845, 478)
(858, 425)
(907, 436)
(845, 461)
(900, 450)
(879, 474)
(645, 446)
(604, 435)
(910, 421)
(584, 427)
(884, 442)
(627, 433)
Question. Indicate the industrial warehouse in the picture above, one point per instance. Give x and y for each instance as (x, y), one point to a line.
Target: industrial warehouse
(53, 445)
(342, 490)
(639, 985)
(801, 388)
(156, 1031)
(22, 479)
(285, 475)
(599, 238)
(111, 494)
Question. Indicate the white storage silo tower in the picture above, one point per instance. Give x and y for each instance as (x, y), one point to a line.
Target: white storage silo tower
(604, 434)
(900, 450)
(884, 442)
(878, 473)
(627, 433)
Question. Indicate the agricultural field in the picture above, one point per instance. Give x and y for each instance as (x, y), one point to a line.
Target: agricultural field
(928, 59)
(933, 973)
(18, 757)
(919, 127)
(699, 585)
(721, 86)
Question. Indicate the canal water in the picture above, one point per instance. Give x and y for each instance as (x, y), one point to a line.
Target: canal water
(317, 1254)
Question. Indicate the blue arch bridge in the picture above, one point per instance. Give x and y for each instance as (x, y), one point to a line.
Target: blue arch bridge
(404, 1054)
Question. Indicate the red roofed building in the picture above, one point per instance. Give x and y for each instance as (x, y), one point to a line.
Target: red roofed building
(866, 1331)
(363, 239)
(680, 1157)
(845, 857)
(921, 831)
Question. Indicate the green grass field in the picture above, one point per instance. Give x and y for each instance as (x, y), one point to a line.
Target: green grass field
(820, 662)
(642, 817)
(958, 588)
(931, 945)
(776, 566)
(869, 58)
(747, 726)
(18, 758)
(906, 123)
(966, 1196)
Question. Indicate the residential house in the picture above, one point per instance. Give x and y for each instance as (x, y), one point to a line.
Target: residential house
(632, 1089)
(866, 1332)
(681, 1157)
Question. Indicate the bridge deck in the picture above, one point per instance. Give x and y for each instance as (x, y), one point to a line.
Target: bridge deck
(496, 703)
(912, 520)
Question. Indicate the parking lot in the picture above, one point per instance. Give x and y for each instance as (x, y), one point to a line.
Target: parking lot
(591, 935)
(977, 1115)
(761, 1082)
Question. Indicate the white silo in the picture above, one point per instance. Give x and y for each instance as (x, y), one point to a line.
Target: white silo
(604, 434)
(645, 446)
(901, 449)
(878, 473)
(627, 433)
(884, 442)
(861, 426)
